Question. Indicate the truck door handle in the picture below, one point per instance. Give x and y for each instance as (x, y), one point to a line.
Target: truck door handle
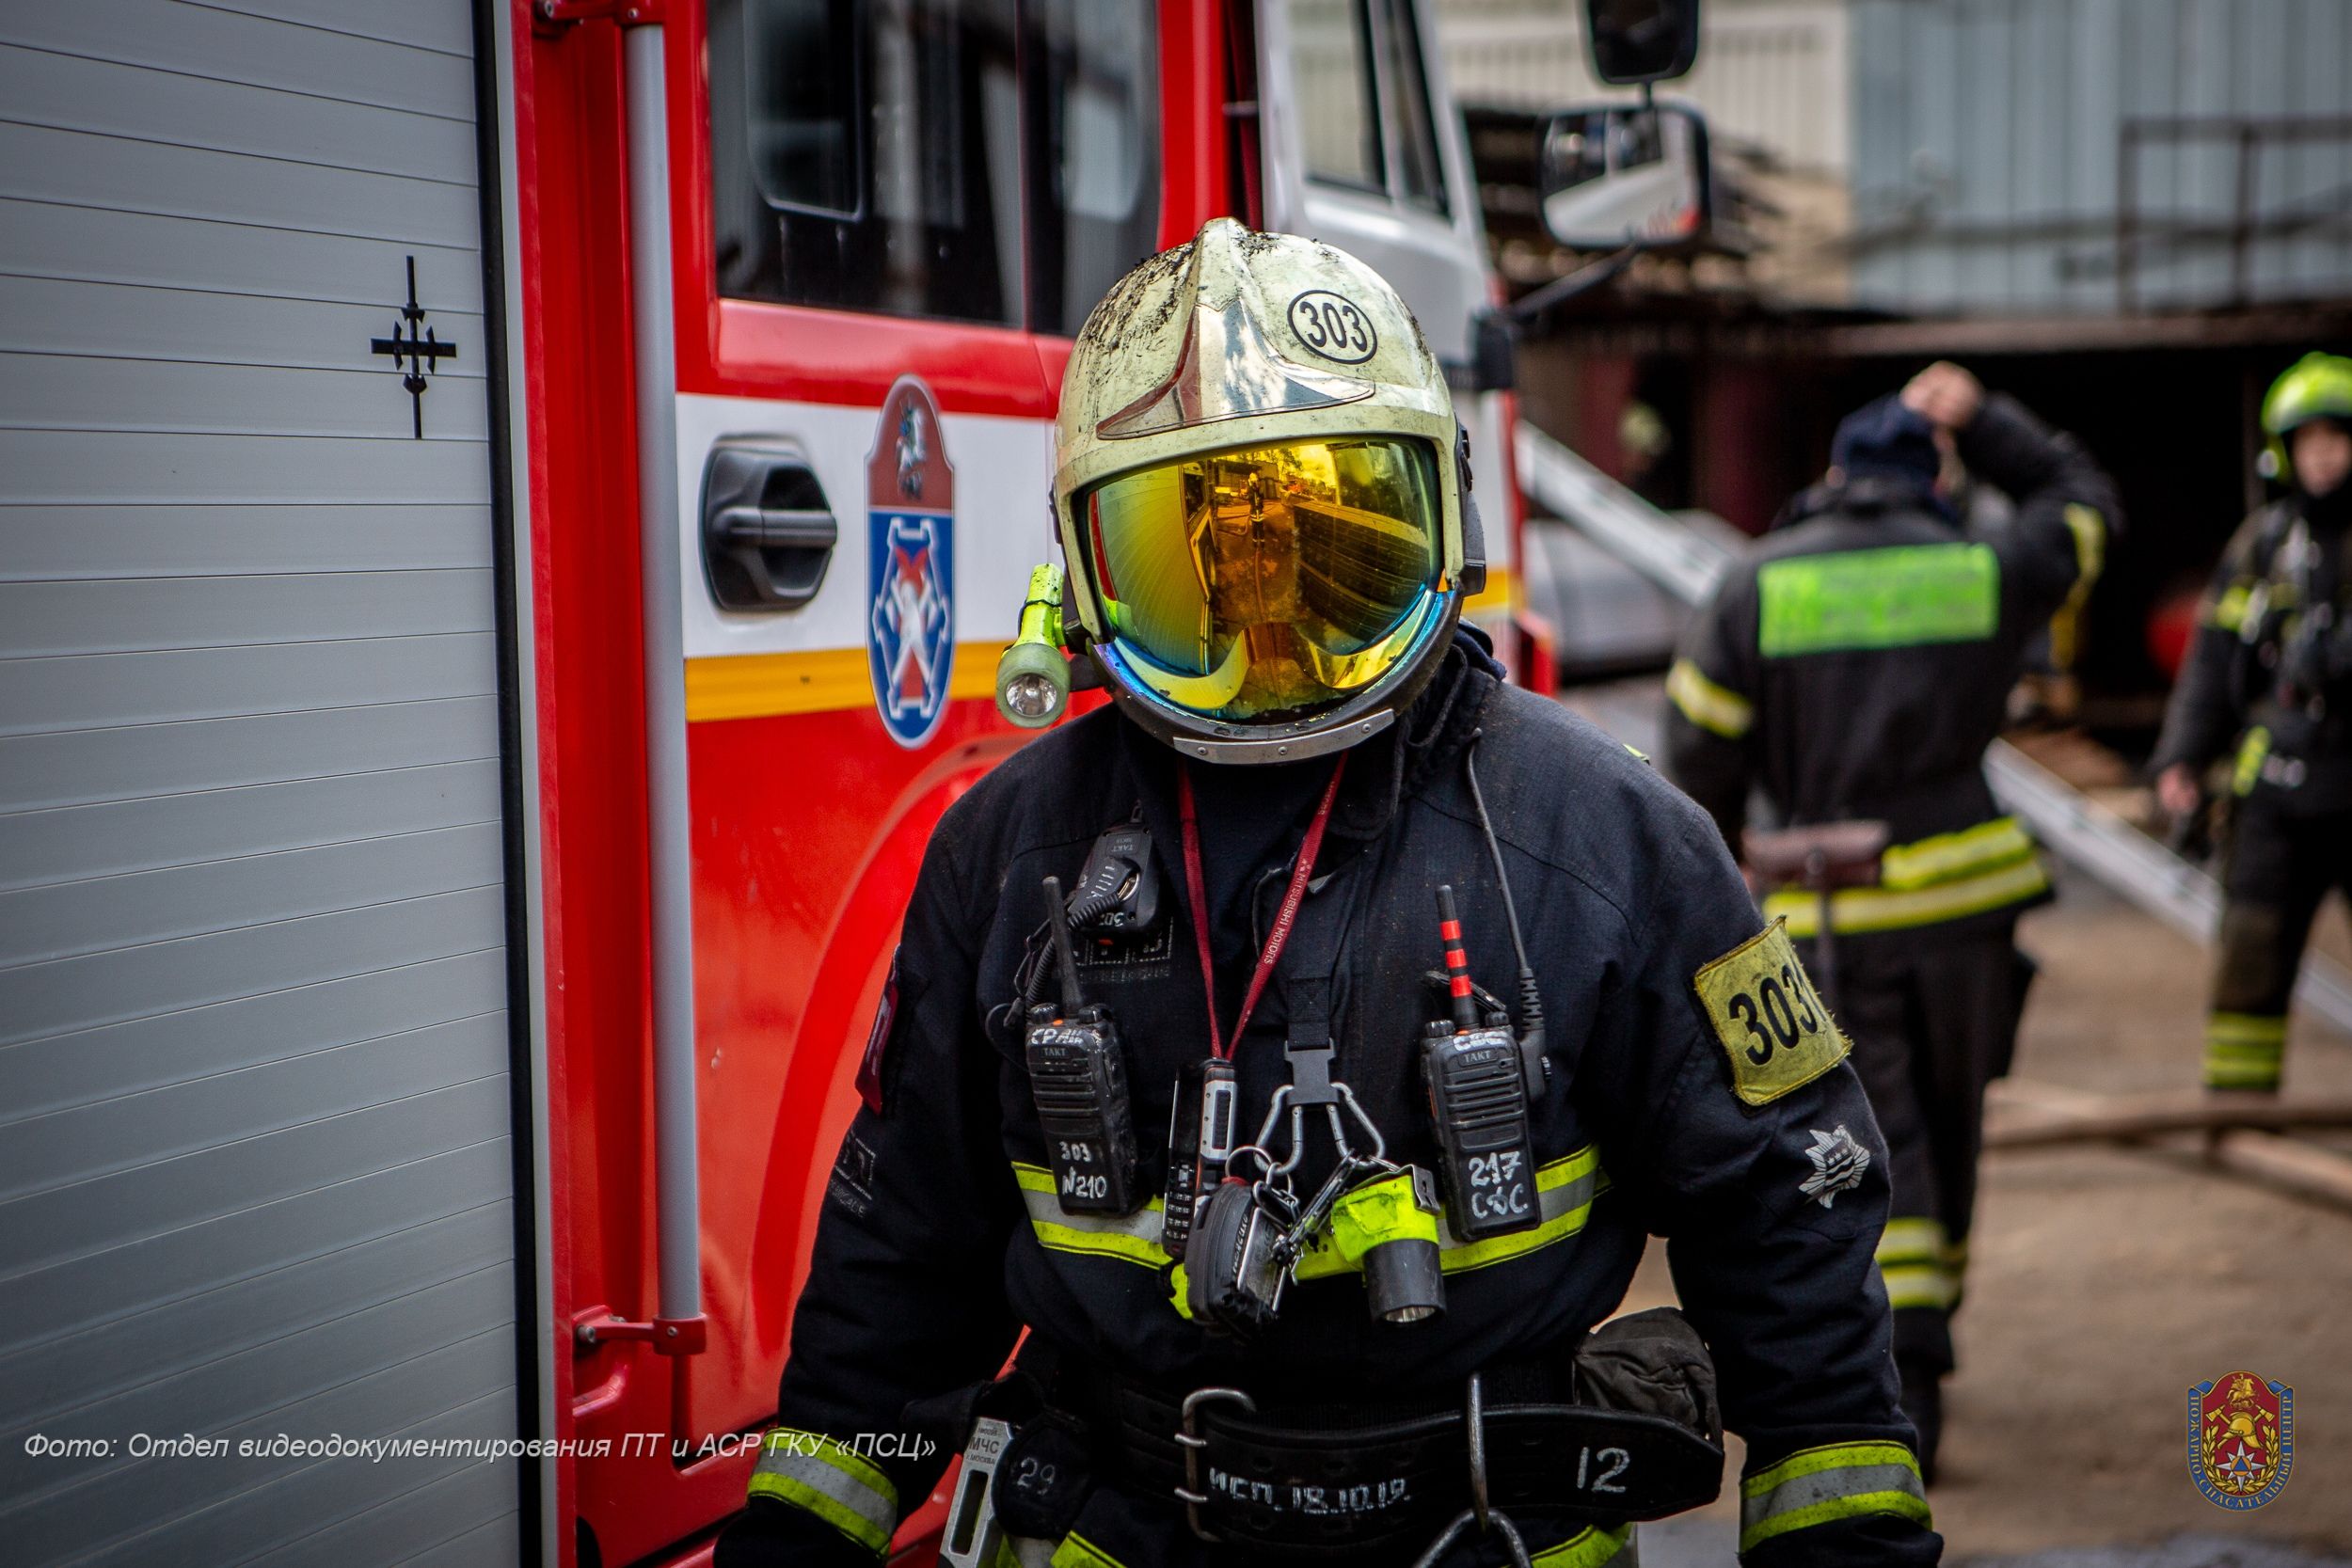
(768, 531)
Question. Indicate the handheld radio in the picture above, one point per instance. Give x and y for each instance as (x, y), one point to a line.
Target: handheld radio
(1078, 1077)
(1478, 1102)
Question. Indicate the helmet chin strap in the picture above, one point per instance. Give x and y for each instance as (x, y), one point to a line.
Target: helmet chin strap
(1473, 531)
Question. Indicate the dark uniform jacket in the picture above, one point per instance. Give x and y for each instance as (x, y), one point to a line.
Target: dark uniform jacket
(1858, 662)
(2265, 649)
(941, 1235)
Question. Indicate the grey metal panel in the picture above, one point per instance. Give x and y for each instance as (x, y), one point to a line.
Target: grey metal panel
(59, 1225)
(161, 1272)
(137, 908)
(42, 165)
(141, 322)
(55, 391)
(147, 104)
(418, 26)
(89, 692)
(123, 1505)
(85, 1065)
(45, 239)
(193, 972)
(74, 767)
(131, 614)
(232, 48)
(256, 1113)
(415, 1526)
(40, 1380)
(443, 1500)
(43, 848)
(39, 542)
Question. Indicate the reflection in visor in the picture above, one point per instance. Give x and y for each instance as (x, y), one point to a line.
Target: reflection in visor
(1273, 582)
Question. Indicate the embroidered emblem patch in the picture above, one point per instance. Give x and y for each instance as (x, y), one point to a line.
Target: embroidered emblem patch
(2241, 1439)
(852, 1183)
(1768, 1016)
(1838, 1163)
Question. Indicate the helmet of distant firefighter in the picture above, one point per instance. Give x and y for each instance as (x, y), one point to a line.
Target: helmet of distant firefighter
(2317, 386)
(1260, 487)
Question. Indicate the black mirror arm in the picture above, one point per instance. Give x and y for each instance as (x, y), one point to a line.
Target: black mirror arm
(1527, 307)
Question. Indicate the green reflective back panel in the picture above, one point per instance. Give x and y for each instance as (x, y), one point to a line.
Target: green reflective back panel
(1898, 597)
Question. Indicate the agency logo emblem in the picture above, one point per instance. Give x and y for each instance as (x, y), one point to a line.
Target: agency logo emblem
(2241, 1439)
(910, 565)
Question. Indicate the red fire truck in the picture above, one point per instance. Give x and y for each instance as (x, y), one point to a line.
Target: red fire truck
(508, 514)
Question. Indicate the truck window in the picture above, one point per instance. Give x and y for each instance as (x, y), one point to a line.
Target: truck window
(1419, 177)
(1094, 159)
(865, 155)
(1339, 110)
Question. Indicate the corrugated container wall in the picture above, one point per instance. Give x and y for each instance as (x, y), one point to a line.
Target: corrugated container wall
(2092, 156)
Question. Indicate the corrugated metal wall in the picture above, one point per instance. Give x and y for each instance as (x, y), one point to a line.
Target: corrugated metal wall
(1987, 138)
(254, 1090)
(1769, 71)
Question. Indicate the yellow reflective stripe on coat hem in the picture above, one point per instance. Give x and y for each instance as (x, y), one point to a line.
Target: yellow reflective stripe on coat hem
(819, 1475)
(1076, 1551)
(1134, 1238)
(1836, 1480)
(1587, 1548)
(1565, 1190)
(1876, 908)
(1717, 709)
(1946, 857)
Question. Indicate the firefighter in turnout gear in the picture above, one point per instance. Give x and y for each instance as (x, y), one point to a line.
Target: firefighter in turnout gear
(1302, 1047)
(2268, 681)
(1855, 668)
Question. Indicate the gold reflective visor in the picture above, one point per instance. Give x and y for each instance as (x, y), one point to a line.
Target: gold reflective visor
(1271, 581)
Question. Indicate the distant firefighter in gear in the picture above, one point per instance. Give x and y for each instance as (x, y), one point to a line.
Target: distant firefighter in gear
(1855, 668)
(1190, 1066)
(2268, 681)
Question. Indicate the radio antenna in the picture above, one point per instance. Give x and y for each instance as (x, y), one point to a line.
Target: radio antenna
(1059, 918)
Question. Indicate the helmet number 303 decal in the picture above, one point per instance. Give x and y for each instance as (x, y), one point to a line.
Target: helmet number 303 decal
(1333, 327)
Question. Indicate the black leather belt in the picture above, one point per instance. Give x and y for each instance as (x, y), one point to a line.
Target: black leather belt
(1339, 1481)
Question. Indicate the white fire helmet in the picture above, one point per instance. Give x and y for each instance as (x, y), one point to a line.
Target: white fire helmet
(1259, 485)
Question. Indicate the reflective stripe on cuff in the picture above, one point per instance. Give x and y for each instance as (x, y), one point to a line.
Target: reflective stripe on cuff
(1817, 1486)
(1587, 1548)
(817, 1474)
(1717, 709)
(2245, 1050)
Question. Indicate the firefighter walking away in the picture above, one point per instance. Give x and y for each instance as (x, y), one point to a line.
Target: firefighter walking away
(1855, 668)
(1303, 1046)
(2268, 686)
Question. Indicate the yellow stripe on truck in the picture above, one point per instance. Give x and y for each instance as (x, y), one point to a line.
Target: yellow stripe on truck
(821, 680)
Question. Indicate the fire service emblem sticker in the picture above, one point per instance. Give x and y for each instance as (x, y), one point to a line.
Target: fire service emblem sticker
(2241, 1439)
(910, 565)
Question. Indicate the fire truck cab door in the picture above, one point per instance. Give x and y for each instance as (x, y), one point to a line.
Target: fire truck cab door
(1363, 147)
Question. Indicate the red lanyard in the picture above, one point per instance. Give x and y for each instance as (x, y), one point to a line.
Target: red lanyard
(1302, 872)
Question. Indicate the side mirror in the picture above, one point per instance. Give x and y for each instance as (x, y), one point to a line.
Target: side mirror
(1628, 174)
(1641, 40)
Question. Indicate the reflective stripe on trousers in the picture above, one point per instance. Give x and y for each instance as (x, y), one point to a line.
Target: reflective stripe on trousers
(2244, 1050)
(1590, 1547)
(819, 1475)
(1839, 1481)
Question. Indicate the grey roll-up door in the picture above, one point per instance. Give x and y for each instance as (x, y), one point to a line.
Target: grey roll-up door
(255, 1110)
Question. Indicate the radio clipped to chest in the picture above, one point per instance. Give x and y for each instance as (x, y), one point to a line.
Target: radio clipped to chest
(1478, 1103)
(1078, 1078)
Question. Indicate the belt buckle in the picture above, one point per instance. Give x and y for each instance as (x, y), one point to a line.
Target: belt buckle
(1192, 1442)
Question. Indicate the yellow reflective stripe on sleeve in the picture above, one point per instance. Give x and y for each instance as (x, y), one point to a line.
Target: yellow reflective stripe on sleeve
(1839, 1481)
(2230, 609)
(1946, 857)
(2252, 754)
(1880, 909)
(2091, 535)
(1076, 1551)
(1565, 1190)
(815, 1473)
(1587, 1548)
(1135, 1238)
(1717, 709)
